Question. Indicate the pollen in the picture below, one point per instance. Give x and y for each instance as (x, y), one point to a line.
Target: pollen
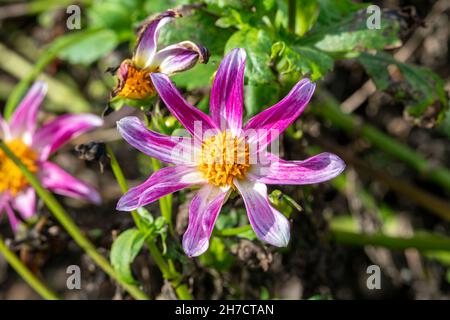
(224, 158)
(138, 84)
(11, 178)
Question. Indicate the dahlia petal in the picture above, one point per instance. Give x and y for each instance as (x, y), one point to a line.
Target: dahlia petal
(269, 224)
(194, 120)
(148, 39)
(175, 150)
(164, 181)
(52, 135)
(203, 212)
(4, 129)
(60, 182)
(12, 217)
(25, 203)
(24, 119)
(273, 121)
(227, 92)
(179, 57)
(320, 168)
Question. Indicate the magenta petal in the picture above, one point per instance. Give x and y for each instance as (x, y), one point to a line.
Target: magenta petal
(227, 93)
(273, 121)
(12, 217)
(60, 130)
(194, 120)
(164, 181)
(25, 203)
(60, 182)
(24, 120)
(179, 57)
(148, 39)
(175, 150)
(320, 168)
(269, 225)
(203, 212)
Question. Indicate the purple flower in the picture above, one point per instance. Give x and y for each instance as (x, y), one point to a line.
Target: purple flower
(134, 75)
(33, 146)
(227, 156)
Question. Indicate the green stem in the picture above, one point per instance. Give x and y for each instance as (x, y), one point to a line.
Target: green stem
(26, 274)
(70, 226)
(329, 109)
(421, 242)
(165, 203)
(167, 272)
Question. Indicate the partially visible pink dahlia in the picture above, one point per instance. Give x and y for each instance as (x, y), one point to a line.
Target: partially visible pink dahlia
(33, 146)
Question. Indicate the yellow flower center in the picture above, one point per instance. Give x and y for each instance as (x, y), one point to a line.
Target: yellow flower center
(138, 84)
(11, 178)
(223, 158)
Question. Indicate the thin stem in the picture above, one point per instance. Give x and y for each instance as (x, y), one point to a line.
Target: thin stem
(421, 242)
(168, 273)
(291, 15)
(70, 226)
(26, 274)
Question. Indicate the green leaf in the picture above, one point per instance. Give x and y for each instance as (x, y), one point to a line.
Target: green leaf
(298, 62)
(110, 15)
(217, 256)
(123, 252)
(332, 11)
(284, 203)
(259, 97)
(92, 46)
(352, 34)
(199, 28)
(421, 90)
(257, 44)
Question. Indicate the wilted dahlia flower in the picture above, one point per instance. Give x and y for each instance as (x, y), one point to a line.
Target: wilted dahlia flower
(33, 146)
(134, 75)
(224, 155)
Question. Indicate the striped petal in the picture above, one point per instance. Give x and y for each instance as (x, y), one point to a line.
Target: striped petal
(179, 57)
(270, 123)
(320, 168)
(54, 134)
(175, 150)
(203, 212)
(60, 182)
(162, 182)
(148, 39)
(24, 119)
(194, 120)
(269, 224)
(227, 92)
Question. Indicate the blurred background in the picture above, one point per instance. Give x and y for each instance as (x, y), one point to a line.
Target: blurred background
(389, 122)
